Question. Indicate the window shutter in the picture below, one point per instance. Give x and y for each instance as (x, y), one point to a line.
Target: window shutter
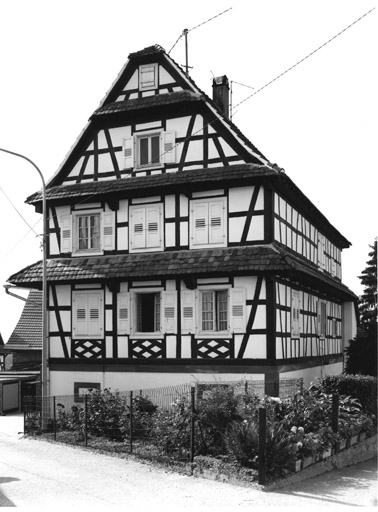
(200, 223)
(295, 314)
(169, 147)
(238, 310)
(188, 316)
(216, 222)
(80, 315)
(108, 231)
(95, 327)
(321, 251)
(123, 313)
(169, 302)
(66, 233)
(128, 152)
(152, 226)
(138, 228)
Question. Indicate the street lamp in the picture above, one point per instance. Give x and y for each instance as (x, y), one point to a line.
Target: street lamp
(44, 373)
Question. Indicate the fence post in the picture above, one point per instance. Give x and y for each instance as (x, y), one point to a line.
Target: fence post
(54, 417)
(131, 421)
(335, 412)
(192, 423)
(86, 419)
(262, 446)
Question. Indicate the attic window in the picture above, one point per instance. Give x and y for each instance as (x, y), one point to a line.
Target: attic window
(148, 77)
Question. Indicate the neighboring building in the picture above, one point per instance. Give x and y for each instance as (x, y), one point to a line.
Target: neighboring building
(25, 343)
(178, 252)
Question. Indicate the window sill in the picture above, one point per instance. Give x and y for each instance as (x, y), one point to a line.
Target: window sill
(87, 253)
(214, 334)
(142, 335)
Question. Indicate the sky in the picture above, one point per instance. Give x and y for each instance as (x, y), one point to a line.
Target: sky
(317, 121)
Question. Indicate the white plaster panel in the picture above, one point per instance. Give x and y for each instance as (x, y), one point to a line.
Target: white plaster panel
(186, 347)
(105, 163)
(184, 233)
(208, 193)
(256, 347)
(109, 346)
(148, 126)
(169, 206)
(133, 81)
(76, 168)
(256, 229)
(277, 230)
(108, 296)
(170, 234)
(56, 349)
(53, 242)
(164, 76)
(53, 325)
(260, 318)
(184, 206)
(87, 206)
(65, 317)
(239, 198)
(178, 125)
(235, 228)
(89, 167)
(123, 350)
(227, 149)
(171, 346)
(198, 125)
(170, 285)
(122, 238)
(124, 287)
(118, 134)
(108, 320)
(63, 292)
(279, 353)
(101, 140)
(260, 199)
(123, 212)
(195, 151)
(143, 200)
(213, 151)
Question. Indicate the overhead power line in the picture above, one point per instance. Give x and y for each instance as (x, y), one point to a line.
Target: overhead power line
(305, 58)
(23, 218)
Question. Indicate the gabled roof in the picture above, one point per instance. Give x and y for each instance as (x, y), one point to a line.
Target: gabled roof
(27, 335)
(272, 258)
(191, 92)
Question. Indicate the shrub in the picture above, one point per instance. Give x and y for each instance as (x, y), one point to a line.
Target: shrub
(104, 414)
(364, 388)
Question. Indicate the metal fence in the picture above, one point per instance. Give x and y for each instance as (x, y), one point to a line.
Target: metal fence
(158, 422)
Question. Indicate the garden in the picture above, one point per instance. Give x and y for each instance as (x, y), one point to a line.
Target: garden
(224, 423)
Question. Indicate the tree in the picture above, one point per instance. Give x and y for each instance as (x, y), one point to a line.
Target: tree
(362, 351)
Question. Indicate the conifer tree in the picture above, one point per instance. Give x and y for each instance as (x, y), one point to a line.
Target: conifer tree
(362, 351)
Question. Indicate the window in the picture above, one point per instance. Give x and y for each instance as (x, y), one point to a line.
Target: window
(146, 227)
(208, 223)
(150, 149)
(322, 319)
(87, 314)
(87, 232)
(321, 251)
(214, 309)
(295, 314)
(148, 77)
(213, 312)
(149, 313)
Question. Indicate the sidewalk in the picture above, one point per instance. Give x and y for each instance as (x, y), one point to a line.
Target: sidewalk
(12, 424)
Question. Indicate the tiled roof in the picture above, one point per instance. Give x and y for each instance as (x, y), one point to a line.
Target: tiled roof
(27, 335)
(161, 265)
(190, 179)
(157, 100)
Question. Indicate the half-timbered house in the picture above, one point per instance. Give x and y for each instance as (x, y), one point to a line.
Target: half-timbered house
(177, 251)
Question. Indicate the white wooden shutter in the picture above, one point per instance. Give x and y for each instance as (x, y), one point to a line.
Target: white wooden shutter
(123, 313)
(138, 228)
(216, 222)
(95, 315)
(80, 315)
(238, 310)
(200, 223)
(188, 312)
(295, 314)
(108, 231)
(169, 308)
(66, 233)
(128, 152)
(153, 227)
(169, 147)
(321, 251)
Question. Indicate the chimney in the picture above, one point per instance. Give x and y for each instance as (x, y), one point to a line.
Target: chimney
(221, 93)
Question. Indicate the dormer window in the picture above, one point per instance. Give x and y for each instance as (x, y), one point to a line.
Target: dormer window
(148, 77)
(149, 149)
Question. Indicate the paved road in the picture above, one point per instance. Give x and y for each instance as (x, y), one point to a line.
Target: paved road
(35, 473)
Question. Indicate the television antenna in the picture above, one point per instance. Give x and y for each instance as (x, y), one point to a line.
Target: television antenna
(185, 35)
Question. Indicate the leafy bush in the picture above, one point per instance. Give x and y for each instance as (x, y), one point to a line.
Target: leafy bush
(364, 388)
(104, 414)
